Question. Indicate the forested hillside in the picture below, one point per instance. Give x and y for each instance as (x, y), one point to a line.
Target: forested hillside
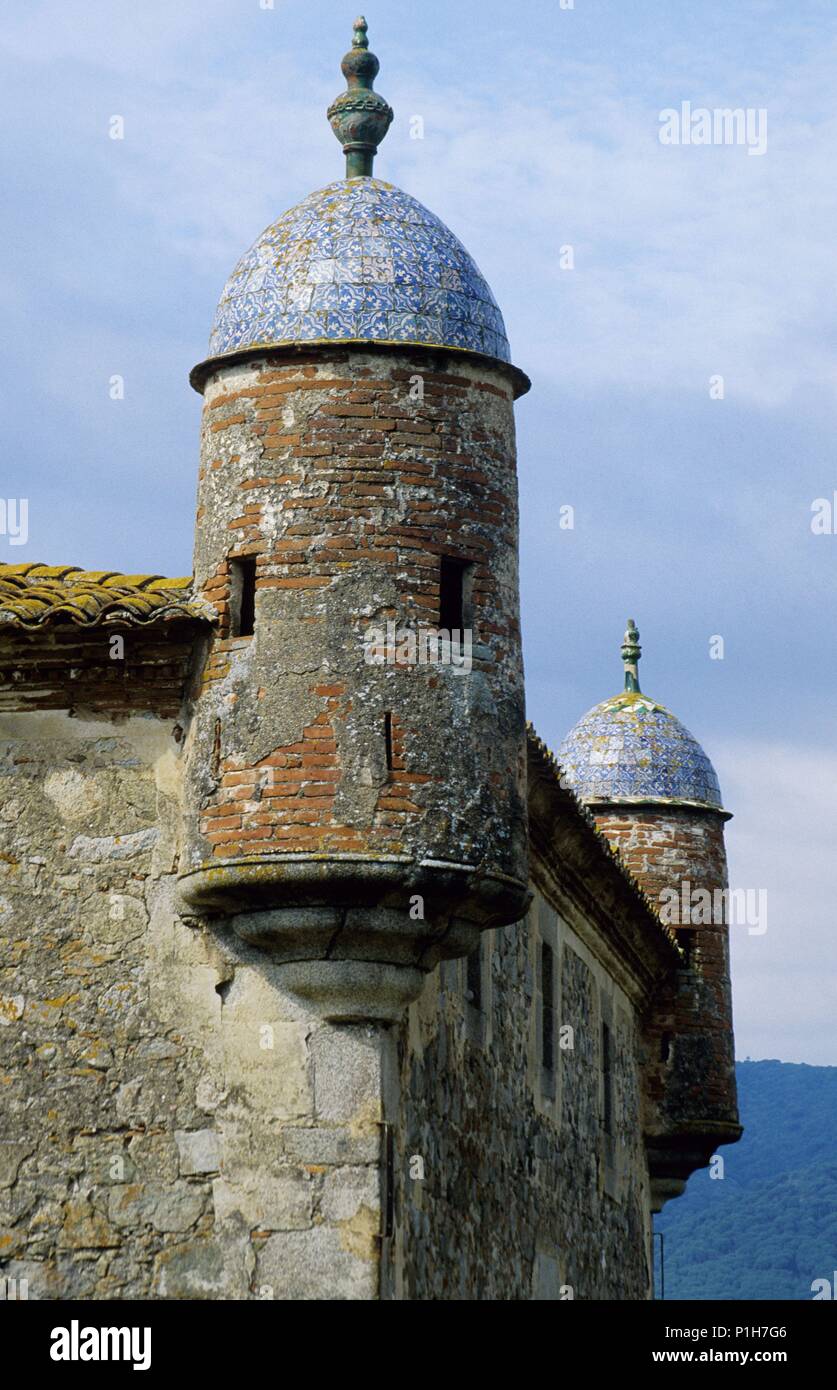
(768, 1228)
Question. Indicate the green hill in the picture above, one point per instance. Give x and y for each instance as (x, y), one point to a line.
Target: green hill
(768, 1229)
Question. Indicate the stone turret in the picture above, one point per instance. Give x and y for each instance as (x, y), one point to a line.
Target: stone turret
(355, 789)
(655, 795)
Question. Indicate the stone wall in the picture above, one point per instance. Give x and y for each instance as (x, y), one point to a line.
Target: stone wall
(525, 1194)
(172, 1124)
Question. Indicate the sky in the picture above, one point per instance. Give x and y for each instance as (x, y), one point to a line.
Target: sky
(692, 500)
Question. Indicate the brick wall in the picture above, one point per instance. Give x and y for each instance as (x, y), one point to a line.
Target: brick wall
(63, 666)
(691, 1075)
(349, 476)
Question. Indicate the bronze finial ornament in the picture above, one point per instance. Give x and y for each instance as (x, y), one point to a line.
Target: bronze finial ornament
(631, 652)
(359, 117)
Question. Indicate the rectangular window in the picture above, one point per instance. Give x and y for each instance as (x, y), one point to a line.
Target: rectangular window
(547, 1007)
(473, 978)
(454, 594)
(388, 739)
(243, 596)
(607, 1081)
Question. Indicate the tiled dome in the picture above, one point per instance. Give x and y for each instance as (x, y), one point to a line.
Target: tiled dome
(632, 749)
(358, 261)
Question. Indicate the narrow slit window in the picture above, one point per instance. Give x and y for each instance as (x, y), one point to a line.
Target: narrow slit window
(473, 978)
(388, 739)
(607, 1081)
(454, 594)
(547, 1007)
(216, 750)
(243, 596)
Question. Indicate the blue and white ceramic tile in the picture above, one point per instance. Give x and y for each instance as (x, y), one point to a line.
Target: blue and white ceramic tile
(358, 260)
(631, 748)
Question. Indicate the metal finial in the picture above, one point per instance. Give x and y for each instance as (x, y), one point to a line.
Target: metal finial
(359, 117)
(631, 652)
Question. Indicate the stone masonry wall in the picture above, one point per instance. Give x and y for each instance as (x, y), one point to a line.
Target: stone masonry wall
(524, 1196)
(172, 1124)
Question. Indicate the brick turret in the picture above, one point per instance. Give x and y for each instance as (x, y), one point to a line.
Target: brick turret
(352, 806)
(654, 794)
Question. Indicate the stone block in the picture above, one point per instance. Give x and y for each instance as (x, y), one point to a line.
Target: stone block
(263, 1200)
(347, 1074)
(12, 1155)
(315, 1264)
(199, 1149)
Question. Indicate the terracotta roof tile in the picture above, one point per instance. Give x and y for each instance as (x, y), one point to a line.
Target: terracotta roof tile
(33, 595)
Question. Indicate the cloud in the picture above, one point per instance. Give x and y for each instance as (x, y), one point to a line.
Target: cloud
(689, 262)
(109, 38)
(782, 839)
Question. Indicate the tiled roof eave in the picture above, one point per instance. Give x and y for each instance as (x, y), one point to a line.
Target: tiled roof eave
(116, 616)
(34, 597)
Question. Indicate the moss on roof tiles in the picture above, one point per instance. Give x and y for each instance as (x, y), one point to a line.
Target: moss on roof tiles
(34, 595)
